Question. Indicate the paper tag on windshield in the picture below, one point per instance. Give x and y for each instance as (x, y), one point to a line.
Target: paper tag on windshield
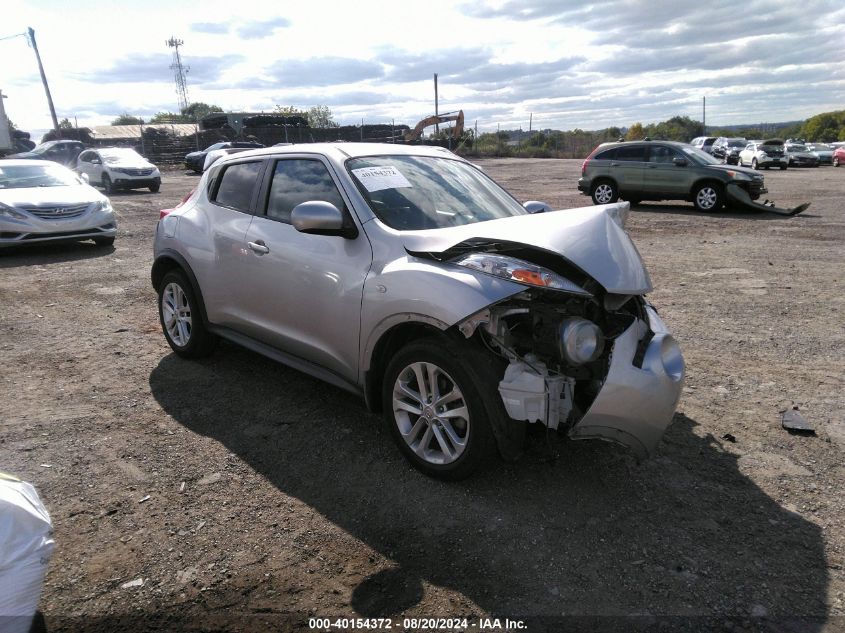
(378, 178)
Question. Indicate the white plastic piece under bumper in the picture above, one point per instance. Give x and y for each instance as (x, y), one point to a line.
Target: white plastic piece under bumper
(636, 405)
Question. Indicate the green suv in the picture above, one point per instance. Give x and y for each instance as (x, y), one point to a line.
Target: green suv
(663, 170)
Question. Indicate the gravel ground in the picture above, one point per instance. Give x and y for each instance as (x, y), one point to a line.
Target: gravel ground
(247, 496)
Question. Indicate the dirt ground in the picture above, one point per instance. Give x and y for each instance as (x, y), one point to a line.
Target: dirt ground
(247, 496)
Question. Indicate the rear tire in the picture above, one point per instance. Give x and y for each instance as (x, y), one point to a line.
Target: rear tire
(754, 164)
(439, 405)
(604, 192)
(783, 167)
(708, 197)
(181, 318)
(836, 162)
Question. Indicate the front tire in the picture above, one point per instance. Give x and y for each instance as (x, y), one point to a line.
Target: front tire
(181, 321)
(108, 187)
(604, 192)
(708, 197)
(155, 186)
(439, 407)
(836, 162)
(754, 163)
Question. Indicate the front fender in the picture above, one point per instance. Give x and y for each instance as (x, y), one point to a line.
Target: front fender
(412, 289)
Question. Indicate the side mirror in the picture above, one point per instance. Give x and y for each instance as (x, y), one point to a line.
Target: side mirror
(680, 162)
(535, 206)
(320, 218)
(84, 178)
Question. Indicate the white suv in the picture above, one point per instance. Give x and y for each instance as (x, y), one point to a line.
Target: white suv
(764, 154)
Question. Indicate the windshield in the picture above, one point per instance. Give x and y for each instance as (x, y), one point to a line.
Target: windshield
(820, 147)
(215, 146)
(797, 148)
(412, 193)
(702, 158)
(43, 147)
(118, 154)
(740, 142)
(22, 176)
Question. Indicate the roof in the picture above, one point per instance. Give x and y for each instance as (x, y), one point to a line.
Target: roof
(26, 162)
(105, 132)
(352, 150)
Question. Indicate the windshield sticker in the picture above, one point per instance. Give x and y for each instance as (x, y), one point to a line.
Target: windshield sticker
(378, 178)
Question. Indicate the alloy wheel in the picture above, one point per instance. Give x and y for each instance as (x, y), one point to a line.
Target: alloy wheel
(431, 413)
(176, 314)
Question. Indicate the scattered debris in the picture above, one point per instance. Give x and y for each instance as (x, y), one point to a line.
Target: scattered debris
(46, 465)
(147, 498)
(794, 422)
(199, 525)
(138, 582)
(213, 478)
(182, 487)
(729, 438)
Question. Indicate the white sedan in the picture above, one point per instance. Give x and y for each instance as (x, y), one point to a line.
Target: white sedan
(118, 168)
(43, 201)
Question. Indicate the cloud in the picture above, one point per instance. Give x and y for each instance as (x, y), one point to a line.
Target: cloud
(155, 68)
(215, 28)
(448, 63)
(261, 28)
(323, 71)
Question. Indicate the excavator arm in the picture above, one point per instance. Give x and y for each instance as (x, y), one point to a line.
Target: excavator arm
(457, 131)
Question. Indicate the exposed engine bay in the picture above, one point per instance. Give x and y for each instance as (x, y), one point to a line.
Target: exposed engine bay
(558, 348)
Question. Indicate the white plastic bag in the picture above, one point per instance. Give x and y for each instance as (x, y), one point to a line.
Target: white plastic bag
(26, 544)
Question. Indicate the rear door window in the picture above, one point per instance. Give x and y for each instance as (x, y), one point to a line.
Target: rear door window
(607, 154)
(635, 153)
(237, 186)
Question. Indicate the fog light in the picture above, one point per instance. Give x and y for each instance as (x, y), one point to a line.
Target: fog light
(581, 341)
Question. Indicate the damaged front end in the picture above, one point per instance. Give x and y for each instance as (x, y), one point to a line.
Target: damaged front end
(739, 197)
(592, 368)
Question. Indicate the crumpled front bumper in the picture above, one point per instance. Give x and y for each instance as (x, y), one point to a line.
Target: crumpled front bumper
(636, 404)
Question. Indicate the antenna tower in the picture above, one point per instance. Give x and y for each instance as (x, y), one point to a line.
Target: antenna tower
(179, 72)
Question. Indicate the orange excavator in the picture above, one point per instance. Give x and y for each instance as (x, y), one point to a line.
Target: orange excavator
(457, 131)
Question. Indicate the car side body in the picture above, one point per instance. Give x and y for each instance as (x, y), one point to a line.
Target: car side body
(662, 170)
(329, 258)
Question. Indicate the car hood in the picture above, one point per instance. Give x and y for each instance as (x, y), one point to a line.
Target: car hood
(49, 196)
(742, 170)
(25, 155)
(131, 165)
(588, 238)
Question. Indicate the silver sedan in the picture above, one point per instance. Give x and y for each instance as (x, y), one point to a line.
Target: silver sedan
(41, 201)
(407, 276)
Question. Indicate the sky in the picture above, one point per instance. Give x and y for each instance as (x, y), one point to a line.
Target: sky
(559, 64)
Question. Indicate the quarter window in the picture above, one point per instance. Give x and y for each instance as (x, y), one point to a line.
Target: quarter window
(300, 180)
(607, 154)
(237, 185)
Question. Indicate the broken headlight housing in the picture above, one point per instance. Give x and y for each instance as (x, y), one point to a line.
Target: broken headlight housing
(581, 341)
(518, 270)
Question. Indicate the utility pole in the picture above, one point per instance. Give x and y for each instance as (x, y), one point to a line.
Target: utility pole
(31, 36)
(704, 115)
(179, 72)
(436, 112)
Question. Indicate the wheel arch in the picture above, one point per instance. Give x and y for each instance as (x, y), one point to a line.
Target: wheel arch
(412, 328)
(171, 260)
(704, 180)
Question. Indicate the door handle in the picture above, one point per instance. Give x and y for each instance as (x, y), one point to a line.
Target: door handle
(259, 247)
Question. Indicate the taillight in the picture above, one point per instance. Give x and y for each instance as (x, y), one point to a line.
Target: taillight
(165, 212)
(584, 166)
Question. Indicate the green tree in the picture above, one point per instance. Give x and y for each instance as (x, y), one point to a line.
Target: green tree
(826, 127)
(320, 116)
(65, 124)
(197, 110)
(127, 119)
(635, 132)
(169, 117)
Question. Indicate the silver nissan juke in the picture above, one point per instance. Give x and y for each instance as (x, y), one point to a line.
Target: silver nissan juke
(405, 275)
